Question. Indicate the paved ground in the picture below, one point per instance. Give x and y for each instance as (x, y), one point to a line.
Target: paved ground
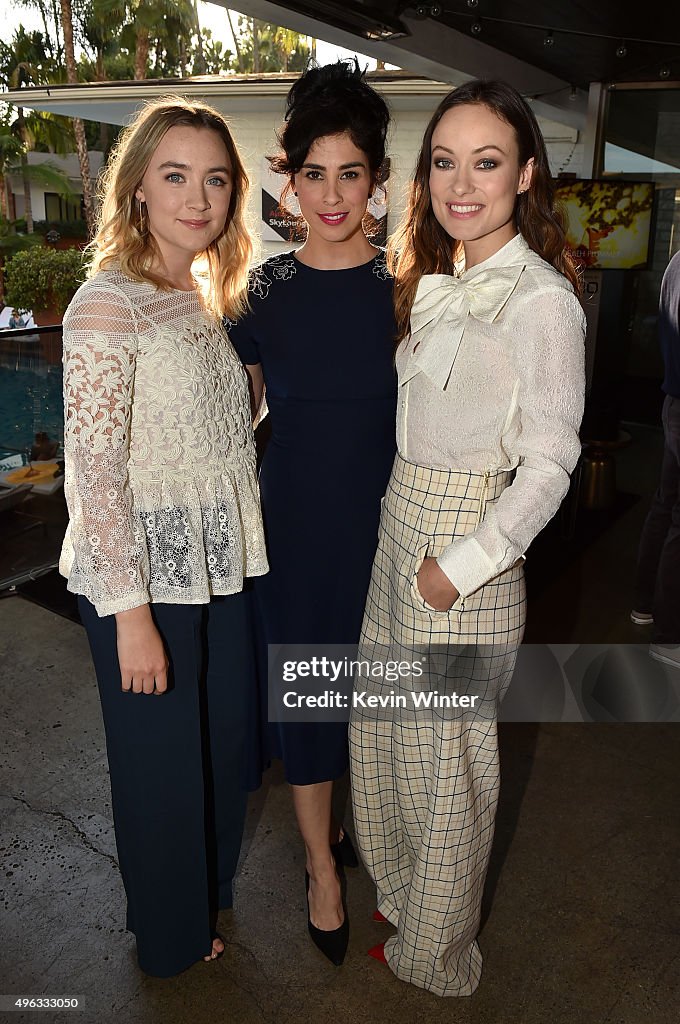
(582, 905)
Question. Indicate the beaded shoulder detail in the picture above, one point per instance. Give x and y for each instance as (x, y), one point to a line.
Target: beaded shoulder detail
(380, 268)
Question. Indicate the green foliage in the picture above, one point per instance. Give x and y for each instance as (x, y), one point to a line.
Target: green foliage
(44, 132)
(115, 67)
(50, 13)
(13, 240)
(43, 278)
(65, 228)
(266, 47)
(48, 176)
(26, 60)
(109, 33)
(156, 34)
(214, 58)
(10, 149)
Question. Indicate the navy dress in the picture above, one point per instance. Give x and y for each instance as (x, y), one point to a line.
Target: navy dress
(325, 339)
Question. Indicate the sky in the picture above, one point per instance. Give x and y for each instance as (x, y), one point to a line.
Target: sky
(212, 16)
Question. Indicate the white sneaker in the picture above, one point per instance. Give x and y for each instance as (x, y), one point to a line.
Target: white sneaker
(669, 654)
(642, 618)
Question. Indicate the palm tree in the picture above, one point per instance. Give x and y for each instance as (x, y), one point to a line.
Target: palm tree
(14, 161)
(49, 14)
(237, 46)
(199, 63)
(23, 63)
(292, 44)
(287, 43)
(101, 33)
(255, 24)
(265, 47)
(10, 153)
(78, 126)
(102, 37)
(47, 175)
(143, 21)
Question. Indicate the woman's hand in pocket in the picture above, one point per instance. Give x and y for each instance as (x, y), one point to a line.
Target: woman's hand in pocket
(435, 588)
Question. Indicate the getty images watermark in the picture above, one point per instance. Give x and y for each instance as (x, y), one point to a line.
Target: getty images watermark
(343, 669)
(537, 683)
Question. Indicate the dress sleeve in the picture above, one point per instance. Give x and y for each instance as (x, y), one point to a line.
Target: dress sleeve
(100, 350)
(242, 336)
(548, 333)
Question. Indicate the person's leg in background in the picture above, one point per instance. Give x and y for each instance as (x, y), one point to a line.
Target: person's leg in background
(649, 590)
(666, 607)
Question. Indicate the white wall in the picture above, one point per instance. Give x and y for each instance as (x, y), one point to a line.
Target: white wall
(69, 164)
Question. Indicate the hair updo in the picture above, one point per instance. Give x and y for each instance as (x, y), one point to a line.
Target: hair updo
(330, 100)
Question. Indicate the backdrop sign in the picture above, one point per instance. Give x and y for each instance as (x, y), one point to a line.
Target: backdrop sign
(280, 222)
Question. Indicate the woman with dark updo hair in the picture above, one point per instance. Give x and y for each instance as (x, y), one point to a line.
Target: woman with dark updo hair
(320, 338)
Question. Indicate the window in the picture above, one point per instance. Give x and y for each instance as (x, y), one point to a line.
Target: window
(641, 142)
(58, 208)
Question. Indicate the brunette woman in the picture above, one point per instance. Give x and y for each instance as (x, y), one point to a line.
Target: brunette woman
(491, 385)
(320, 340)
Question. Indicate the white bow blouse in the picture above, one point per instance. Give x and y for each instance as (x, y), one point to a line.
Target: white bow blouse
(492, 377)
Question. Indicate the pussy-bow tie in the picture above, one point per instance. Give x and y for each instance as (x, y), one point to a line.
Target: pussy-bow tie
(439, 314)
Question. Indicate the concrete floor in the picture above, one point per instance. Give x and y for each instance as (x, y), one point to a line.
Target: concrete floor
(582, 906)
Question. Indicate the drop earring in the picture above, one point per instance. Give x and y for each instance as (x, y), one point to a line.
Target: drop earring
(140, 212)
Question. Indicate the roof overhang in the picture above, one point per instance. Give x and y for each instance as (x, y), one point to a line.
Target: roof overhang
(430, 48)
(116, 102)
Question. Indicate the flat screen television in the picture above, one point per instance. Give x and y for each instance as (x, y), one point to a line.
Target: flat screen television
(608, 222)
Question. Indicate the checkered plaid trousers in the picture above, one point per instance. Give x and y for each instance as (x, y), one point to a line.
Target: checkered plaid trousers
(425, 786)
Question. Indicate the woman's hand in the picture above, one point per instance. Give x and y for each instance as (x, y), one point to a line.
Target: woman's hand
(141, 655)
(435, 587)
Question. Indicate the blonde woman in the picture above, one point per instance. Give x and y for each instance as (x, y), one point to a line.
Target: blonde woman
(164, 518)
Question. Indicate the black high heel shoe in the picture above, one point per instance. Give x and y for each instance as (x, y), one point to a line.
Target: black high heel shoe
(344, 853)
(332, 944)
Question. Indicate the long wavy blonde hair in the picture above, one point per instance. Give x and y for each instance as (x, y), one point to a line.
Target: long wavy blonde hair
(123, 237)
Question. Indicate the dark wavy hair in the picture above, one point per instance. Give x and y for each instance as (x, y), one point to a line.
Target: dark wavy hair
(330, 100)
(422, 246)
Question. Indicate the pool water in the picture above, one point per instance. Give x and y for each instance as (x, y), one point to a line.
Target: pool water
(30, 401)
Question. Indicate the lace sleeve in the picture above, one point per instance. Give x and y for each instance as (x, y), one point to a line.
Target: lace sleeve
(100, 345)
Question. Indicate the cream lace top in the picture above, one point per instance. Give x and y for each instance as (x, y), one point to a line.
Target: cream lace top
(492, 377)
(160, 464)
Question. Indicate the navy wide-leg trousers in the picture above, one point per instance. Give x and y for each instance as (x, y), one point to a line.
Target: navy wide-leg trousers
(177, 767)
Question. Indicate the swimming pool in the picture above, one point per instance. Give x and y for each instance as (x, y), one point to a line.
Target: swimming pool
(30, 401)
